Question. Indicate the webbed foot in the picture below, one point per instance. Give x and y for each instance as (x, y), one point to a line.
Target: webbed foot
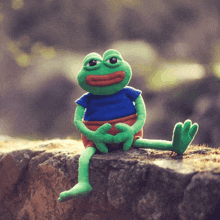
(79, 190)
(183, 135)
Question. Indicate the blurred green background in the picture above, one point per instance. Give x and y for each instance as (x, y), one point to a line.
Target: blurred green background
(171, 45)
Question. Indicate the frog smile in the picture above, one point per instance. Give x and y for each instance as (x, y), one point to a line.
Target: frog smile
(105, 80)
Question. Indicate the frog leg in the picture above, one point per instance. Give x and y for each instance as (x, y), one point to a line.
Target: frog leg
(183, 135)
(153, 144)
(83, 186)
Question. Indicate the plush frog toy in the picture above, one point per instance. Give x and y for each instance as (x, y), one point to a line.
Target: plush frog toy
(111, 116)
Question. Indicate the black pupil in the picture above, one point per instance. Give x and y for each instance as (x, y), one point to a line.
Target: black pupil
(92, 62)
(113, 60)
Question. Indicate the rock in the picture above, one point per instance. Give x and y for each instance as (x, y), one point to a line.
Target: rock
(201, 197)
(12, 167)
(137, 184)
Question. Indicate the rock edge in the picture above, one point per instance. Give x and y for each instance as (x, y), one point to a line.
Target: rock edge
(138, 184)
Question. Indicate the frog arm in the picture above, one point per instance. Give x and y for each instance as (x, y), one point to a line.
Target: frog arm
(141, 117)
(78, 121)
(141, 114)
(127, 132)
(99, 137)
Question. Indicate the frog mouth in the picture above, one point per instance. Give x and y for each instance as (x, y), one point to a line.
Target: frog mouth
(105, 80)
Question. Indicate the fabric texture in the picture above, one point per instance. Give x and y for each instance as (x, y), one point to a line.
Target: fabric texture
(109, 107)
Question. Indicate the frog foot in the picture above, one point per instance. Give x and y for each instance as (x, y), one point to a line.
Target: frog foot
(79, 190)
(183, 135)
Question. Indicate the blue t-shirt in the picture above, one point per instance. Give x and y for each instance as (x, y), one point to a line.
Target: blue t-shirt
(109, 107)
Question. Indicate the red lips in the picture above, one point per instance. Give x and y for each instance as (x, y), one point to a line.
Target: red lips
(105, 80)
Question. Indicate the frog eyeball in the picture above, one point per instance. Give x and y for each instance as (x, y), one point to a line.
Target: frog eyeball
(92, 63)
(113, 60)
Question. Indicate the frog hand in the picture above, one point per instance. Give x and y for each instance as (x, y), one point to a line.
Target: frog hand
(183, 135)
(126, 135)
(101, 137)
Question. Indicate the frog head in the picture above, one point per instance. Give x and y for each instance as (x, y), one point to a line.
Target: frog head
(104, 76)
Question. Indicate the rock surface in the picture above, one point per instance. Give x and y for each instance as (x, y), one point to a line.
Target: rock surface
(138, 184)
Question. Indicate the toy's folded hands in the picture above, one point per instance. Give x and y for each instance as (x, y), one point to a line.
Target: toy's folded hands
(100, 137)
(183, 135)
(126, 135)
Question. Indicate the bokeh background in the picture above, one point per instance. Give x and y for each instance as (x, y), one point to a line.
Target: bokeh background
(172, 46)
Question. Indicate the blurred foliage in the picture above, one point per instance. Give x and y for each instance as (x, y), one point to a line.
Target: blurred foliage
(17, 4)
(170, 74)
(177, 28)
(180, 35)
(37, 50)
(43, 43)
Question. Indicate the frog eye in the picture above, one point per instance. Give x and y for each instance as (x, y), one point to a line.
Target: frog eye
(92, 62)
(113, 60)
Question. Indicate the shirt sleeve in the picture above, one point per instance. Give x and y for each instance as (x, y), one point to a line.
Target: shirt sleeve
(83, 100)
(132, 93)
